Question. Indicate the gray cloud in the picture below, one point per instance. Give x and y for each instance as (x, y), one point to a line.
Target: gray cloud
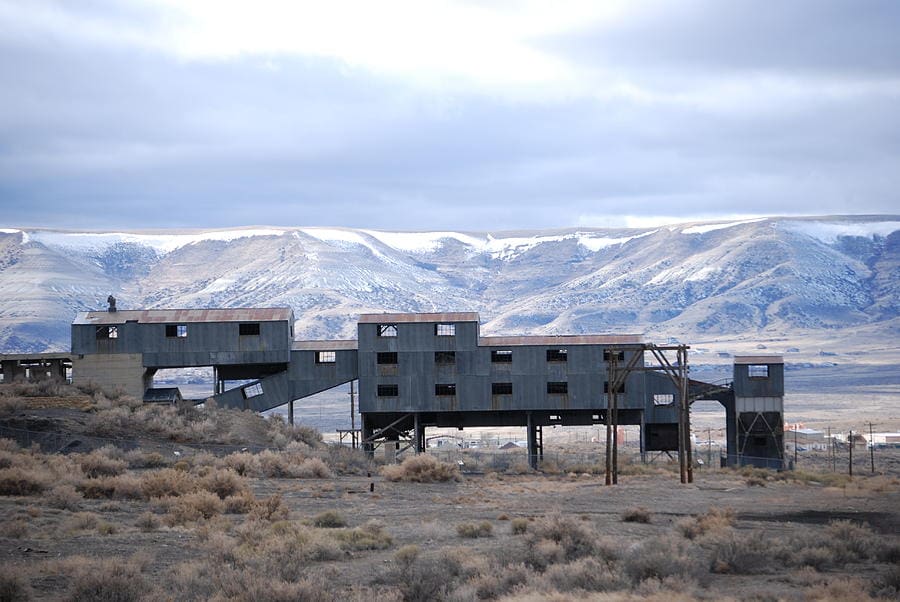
(101, 134)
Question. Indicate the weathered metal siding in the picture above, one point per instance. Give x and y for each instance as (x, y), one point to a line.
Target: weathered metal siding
(747, 386)
(473, 373)
(308, 378)
(206, 344)
(276, 392)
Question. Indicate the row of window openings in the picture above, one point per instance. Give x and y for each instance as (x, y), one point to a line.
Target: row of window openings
(440, 330)
(177, 331)
(498, 356)
(449, 389)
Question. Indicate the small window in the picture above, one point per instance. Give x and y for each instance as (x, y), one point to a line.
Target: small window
(444, 357)
(326, 357)
(663, 399)
(387, 330)
(254, 390)
(758, 370)
(445, 330)
(501, 356)
(554, 388)
(107, 332)
(386, 358)
(445, 389)
(174, 331)
(388, 391)
(501, 388)
(620, 355)
(249, 329)
(557, 355)
(620, 389)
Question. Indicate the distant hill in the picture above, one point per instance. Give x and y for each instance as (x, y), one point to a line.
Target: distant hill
(795, 285)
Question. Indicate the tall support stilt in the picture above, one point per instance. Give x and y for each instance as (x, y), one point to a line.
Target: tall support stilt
(354, 440)
(532, 443)
(612, 387)
(367, 444)
(418, 434)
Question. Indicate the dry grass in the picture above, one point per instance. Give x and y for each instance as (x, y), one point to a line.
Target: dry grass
(421, 468)
(474, 531)
(13, 586)
(715, 520)
(107, 580)
(19, 481)
(330, 519)
(637, 514)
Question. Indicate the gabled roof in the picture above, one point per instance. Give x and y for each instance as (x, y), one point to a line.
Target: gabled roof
(563, 340)
(185, 316)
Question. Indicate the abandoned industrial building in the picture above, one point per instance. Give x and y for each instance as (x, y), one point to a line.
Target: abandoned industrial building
(418, 370)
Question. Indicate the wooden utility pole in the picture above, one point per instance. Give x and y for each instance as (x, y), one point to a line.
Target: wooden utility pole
(353, 438)
(850, 441)
(872, 448)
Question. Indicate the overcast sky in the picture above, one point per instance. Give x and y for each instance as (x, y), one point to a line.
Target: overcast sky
(434, 115)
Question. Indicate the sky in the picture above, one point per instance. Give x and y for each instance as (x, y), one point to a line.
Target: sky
(432, 115)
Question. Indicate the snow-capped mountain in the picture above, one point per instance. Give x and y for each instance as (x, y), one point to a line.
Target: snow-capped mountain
(769, 279)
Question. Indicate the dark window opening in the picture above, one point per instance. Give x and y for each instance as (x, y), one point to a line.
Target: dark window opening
(107, 332)
(620, 355)
(445, 389)
(758, 371)
(620, 389)
(249, 329)
(554, 388)
(557, 355)
(176, 331)
(386, 358)
(501, 388)
(445, 330)
(501, 356)
(388, 391)
(444, 357)
(326, 357)
(758, 441)
(387, 330)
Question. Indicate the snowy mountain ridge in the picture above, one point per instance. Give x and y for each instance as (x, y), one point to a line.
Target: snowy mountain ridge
(749, 279)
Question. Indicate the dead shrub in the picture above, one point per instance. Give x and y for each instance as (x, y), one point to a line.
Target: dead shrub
(270, 509)
(662, 557)
(715, 520)
(13, 529)
(473, 531)
(167, 482)
(99, 463)
(82, 521)
(243, 463)
(370, 536)
(434, 577)
(17, 481)
(147, 522)
(13, 587)
(637, 514)
(575, 538)
(518, 526)
(241, 503)
(224, 483)
(312, 468)
(9, 445)
(192, 507)
(421, 468)
(140, 459)
(330, 519)
(273, 465)
(852, 542)
(106, 528)
(122, 487)
(740, 555)
(501, 581)
(584, 574)
(108, 580)
(63, 497)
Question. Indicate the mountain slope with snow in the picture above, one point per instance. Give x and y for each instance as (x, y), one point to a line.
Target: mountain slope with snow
(771, 278)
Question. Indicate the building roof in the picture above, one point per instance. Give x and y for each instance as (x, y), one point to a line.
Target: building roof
(171, 316)
(758, 359)
(324, 345)
(410, 318)
(163, 394)
(563, 340)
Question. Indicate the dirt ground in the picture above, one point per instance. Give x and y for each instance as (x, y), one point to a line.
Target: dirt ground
(427, 515)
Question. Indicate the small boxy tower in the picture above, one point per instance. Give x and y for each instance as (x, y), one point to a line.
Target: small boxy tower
(758, 411)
